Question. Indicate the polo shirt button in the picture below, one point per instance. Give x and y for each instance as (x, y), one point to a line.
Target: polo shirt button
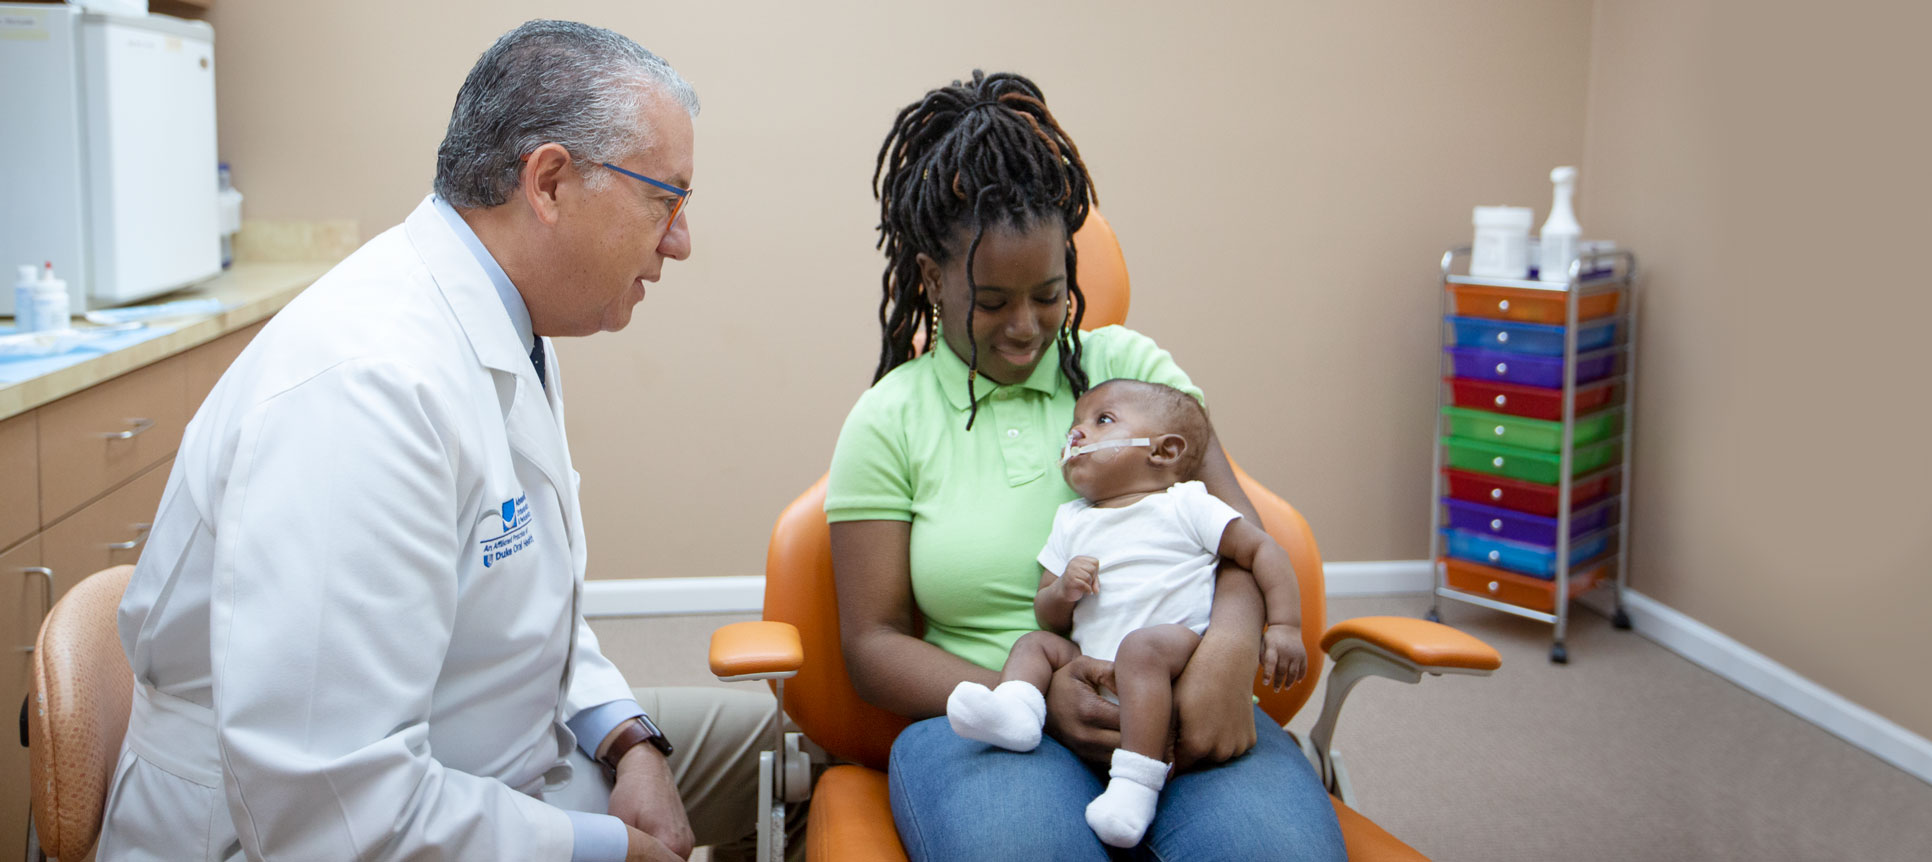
(1012, 432)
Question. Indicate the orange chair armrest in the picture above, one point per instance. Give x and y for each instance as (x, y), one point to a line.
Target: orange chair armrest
(1429, 646)
(759, 649)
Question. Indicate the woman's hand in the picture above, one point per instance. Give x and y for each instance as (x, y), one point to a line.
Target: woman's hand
(1212, 700)
(1082, 720)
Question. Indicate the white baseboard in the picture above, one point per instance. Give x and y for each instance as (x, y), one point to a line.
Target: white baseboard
(669, 597)
(1758, 674)
(1671, 629)
(674, 597)
(1378, 578)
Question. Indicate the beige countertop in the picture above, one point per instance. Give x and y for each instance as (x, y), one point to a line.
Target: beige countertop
(252, 292)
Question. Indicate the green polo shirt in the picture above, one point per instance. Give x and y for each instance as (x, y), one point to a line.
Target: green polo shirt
(981, 502)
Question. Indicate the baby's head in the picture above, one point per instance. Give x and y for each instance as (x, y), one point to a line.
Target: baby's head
(1131, 436)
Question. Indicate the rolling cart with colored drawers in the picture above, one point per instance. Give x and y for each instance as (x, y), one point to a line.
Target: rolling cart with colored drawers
(1532, 443)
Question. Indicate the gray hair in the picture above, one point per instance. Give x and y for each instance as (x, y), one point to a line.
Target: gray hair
(546, 82)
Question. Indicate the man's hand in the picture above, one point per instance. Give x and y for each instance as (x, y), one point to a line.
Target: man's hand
(1284, 660)
(645, 797)
(1082, 578)
(1213, 701)
(1077, 715)
(644, 848)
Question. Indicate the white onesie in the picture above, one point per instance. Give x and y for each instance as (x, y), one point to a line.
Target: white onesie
(1157, 559)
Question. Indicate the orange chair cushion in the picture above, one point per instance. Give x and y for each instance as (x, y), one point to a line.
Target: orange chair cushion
(851, 821)
(1420, 641)
(1367, 842)
(756, 647)
(82, 691)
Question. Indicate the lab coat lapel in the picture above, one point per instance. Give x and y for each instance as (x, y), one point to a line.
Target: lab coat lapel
(534, 430)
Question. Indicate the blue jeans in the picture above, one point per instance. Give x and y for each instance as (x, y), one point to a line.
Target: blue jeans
(953, 798)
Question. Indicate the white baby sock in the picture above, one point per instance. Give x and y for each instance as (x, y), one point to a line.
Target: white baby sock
(1121, 814)
(1009, 716)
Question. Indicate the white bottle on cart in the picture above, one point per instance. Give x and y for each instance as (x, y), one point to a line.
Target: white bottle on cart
(1557, 244)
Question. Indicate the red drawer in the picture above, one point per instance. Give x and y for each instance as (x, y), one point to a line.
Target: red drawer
(1529, 497)
(1534, 402)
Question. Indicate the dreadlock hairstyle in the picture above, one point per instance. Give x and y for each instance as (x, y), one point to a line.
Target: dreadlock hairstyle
(982, 153)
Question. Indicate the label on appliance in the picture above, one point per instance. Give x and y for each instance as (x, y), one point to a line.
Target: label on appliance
(24, 26)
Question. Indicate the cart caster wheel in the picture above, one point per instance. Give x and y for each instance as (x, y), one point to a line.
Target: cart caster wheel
(1621, 619)
(1559, 655)
(1432, 615)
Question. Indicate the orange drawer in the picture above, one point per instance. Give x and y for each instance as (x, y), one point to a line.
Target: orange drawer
(108, 532)
(20, 489)
(99, 437)
(1531, 306)
(1520, 590)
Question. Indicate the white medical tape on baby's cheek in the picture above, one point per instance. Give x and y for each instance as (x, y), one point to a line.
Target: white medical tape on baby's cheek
(1067, 453)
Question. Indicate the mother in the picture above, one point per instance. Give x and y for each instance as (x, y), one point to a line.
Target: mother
(942, 491)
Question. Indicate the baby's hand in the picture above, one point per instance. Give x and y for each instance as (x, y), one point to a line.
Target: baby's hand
(1284, 661)
(1082, 578)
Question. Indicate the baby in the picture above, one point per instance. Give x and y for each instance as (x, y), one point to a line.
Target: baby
(1136, 560)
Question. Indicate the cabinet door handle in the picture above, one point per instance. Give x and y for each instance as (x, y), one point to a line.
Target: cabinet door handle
(139, 425)
(46, 595)
(140, 535)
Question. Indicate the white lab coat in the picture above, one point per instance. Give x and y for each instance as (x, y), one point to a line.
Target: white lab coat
(354, 630)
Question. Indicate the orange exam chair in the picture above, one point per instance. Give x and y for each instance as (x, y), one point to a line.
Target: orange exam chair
(796, 647)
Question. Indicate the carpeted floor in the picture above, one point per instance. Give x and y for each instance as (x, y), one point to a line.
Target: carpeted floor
(1626, 753)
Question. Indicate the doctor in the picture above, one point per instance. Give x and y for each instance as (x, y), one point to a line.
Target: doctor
(355, 630)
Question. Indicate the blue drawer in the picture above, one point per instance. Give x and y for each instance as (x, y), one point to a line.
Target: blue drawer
(1537, 338)
(1537, 561)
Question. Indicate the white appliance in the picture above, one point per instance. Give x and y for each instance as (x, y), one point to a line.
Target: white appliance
(108, 166)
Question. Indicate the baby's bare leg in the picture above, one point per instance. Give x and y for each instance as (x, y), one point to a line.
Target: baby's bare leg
(1035, 656)
(1144, 670)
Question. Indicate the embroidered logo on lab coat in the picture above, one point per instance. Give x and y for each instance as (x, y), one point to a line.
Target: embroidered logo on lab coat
(514, 516)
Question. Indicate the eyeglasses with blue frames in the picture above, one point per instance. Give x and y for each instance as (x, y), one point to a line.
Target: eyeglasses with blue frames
(684, 195)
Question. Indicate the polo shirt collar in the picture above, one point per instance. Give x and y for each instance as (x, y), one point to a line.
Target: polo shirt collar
(951, 370)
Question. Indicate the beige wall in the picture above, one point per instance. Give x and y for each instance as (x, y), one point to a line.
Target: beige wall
(1769, 161)
(1282, 176)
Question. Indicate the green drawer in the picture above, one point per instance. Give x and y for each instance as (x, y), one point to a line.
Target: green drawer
(1539, 434)
(1528, 465)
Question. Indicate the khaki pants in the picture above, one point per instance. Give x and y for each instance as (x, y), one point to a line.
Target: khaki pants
(718, 733)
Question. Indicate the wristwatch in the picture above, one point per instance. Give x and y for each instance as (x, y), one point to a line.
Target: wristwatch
(633, 731)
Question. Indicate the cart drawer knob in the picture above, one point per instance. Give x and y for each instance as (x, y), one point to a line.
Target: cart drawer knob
(1495, 493)
(1502, 368)
(1502, 400)
(1495, 588)
(1495, 556)
(1503, 305)
(1500, 430)
(1496, 524)
(1502, 338)
(1498, 461)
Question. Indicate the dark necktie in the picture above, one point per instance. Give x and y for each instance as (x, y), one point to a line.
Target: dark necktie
(536, 359)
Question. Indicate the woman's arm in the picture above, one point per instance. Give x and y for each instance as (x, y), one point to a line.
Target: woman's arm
(1213, 695)
(890, 666)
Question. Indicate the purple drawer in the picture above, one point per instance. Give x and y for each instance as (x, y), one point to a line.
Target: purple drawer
(1521, 526)
(1544, 371)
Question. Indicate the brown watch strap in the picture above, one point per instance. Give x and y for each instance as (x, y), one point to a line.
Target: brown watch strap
(630, 734)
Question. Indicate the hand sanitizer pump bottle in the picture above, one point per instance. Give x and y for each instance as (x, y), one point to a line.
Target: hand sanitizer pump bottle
(1559, 238)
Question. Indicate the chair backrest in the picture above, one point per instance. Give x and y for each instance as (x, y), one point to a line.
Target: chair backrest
(799, 587)
(81, 692)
